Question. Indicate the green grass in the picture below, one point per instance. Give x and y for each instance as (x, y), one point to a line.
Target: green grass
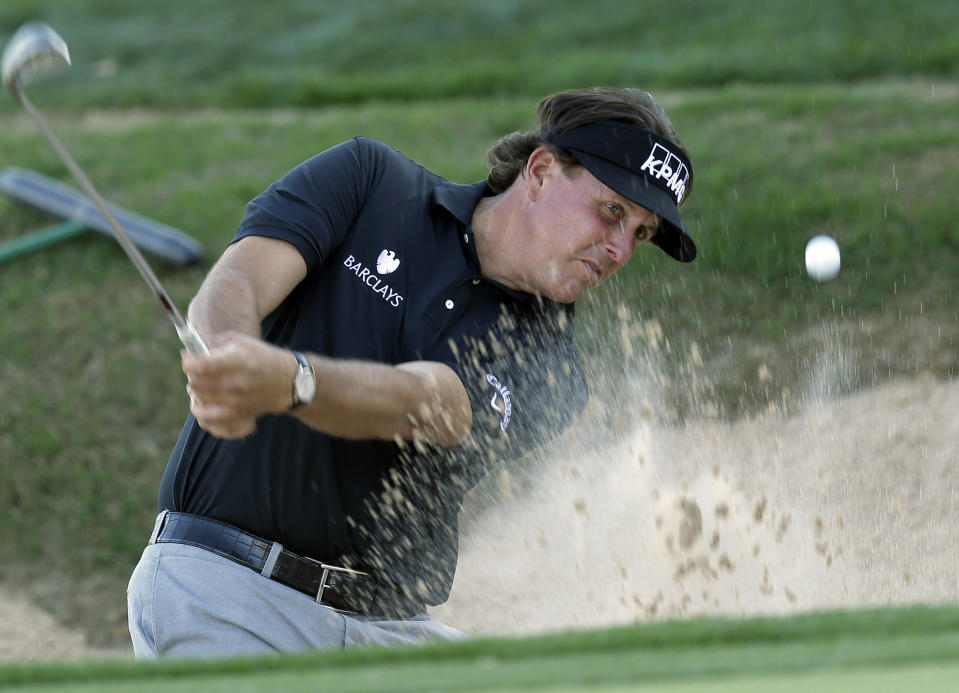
(801, 118)
(304, 52)
(850, 651)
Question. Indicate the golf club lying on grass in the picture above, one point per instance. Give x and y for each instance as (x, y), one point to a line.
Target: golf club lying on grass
(36, 51)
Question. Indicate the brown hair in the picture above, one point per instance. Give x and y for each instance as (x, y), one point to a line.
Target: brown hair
(570, 109)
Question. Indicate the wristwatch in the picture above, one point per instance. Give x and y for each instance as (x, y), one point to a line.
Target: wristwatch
(304, 382)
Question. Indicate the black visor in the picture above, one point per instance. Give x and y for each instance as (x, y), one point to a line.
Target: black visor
(642, 167)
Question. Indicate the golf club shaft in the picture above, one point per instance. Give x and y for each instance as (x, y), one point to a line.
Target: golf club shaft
(188, 336)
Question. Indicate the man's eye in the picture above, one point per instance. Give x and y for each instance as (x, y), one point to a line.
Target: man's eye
(614, 209)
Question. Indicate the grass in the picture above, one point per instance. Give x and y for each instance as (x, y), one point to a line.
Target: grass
(807, 123)
(306, 53)
(851, 648)
(843, 650)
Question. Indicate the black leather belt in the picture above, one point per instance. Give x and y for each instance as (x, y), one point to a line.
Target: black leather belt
(339, 588)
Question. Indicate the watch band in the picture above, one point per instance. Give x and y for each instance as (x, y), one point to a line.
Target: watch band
(301, 359)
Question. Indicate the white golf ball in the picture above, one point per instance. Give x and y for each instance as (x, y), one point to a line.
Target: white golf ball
(822, 258)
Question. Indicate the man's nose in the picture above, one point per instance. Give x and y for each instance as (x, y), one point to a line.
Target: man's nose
(619, 246)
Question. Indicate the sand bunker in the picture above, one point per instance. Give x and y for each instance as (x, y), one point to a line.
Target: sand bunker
(848, 503)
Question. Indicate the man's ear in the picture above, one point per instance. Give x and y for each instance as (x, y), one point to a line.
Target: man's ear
(540, 165)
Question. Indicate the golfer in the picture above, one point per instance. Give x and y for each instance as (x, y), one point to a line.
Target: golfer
(380, 338)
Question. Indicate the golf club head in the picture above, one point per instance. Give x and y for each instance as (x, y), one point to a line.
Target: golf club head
(33, 53)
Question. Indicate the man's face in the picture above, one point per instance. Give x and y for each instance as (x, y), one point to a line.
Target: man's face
(581, 232)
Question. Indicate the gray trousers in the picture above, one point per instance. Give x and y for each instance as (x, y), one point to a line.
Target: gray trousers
(184, 601)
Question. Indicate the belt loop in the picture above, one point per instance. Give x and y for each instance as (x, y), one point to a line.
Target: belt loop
(270, 562)
(157, 526)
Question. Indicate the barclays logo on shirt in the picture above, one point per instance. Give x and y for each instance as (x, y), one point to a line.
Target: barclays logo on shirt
(386, 263)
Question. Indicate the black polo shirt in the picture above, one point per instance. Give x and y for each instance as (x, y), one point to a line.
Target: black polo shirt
(393, 276)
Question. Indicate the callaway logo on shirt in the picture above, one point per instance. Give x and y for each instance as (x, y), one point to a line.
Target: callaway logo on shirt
(502, 393)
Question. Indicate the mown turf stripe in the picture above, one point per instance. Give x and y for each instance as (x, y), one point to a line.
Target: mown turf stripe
(699, 648)
(742, 668)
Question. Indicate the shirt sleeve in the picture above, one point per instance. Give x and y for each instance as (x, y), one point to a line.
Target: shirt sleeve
(314, 205)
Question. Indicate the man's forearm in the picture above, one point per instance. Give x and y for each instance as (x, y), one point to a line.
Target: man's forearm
(253, 276)
(360, 399)
(244, 378)
(225, 302)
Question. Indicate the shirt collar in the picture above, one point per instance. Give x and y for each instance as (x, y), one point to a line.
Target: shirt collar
(460, 201)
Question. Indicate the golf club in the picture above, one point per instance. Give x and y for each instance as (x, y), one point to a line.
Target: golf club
(36, 51)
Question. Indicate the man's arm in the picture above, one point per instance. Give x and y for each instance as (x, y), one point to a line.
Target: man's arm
(244, 377)
(250, 279)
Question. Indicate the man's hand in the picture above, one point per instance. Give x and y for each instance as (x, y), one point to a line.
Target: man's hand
(241, 379)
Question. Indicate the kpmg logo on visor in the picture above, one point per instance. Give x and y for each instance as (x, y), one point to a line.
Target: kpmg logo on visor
(669, 168)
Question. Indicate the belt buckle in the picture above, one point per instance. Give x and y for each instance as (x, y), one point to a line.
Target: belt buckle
(327, 569)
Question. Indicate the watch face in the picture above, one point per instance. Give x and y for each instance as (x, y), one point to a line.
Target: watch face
(305, 385)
